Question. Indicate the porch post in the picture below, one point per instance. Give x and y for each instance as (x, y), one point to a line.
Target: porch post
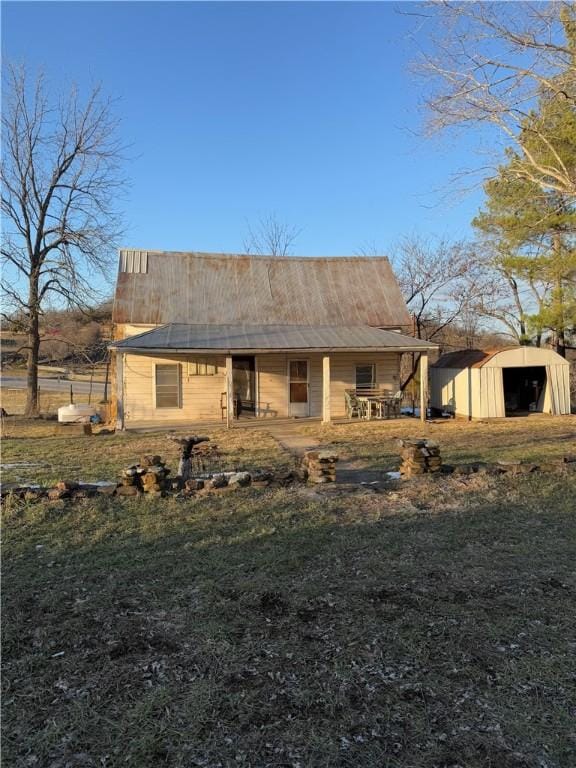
(229, 393)
(119, 391)
(423, 364)
(326, 389)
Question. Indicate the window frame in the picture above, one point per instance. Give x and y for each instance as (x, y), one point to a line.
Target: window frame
(193, 366)
(178, 367)
(372, 384)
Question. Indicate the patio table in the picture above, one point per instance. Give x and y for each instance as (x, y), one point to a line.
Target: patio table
(379, 400)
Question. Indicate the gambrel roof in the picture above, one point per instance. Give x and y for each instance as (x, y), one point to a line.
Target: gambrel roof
(160, 287)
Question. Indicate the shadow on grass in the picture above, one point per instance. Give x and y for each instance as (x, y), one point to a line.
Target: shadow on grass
(280, 629)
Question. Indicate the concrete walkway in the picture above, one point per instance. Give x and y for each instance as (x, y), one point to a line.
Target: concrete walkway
(290, 439)
(350, 474)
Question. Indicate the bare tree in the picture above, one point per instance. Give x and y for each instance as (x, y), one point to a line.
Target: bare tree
(271, 237)
(438, 279)
(487, 63)
(60, 178)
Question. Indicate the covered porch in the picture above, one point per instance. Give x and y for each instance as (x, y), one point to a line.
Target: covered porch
(183, 374)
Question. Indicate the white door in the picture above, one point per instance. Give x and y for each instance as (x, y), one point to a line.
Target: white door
(298, 388)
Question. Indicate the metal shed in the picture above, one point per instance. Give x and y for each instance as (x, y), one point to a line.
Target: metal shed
(514, 381)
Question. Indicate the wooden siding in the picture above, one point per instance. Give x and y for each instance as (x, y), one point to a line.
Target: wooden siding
(201, 394)
(124, 330)
(343, 376)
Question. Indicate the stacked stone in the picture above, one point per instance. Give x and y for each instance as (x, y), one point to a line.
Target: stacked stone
(149, 476)
(155, 475)
(419, 456)
(321, 466)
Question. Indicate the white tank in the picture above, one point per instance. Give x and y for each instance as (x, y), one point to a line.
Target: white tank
(76, 413)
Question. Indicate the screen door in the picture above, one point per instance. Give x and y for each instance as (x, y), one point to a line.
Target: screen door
(298, 387)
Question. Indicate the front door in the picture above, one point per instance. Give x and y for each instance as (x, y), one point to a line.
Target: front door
(298, 388)
(244, 384)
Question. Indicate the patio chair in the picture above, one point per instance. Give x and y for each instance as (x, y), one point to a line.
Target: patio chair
(354, 408)
(394, 405)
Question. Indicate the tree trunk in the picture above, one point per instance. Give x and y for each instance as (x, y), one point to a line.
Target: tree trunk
(560, 331)
(413, 372)
(32, 404)
(560, 342)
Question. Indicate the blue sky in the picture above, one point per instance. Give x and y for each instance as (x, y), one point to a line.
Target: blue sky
(236, 110)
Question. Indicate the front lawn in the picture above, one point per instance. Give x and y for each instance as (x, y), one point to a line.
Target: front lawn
(424, 627)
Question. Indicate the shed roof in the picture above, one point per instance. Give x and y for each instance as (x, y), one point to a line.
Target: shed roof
(477, 358)
(467, 358)
(158, 287)
(208, 337)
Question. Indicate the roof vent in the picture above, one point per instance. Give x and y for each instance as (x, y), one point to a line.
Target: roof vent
(134, 261)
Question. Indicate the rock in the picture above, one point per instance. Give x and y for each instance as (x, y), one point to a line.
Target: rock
(194, 485)
(152, 488)
(240, 478)
(67, 485)
(150, 460)
(218, 481)
(106, 489)
(262, 476)
(55, 494)
(127, 490)
(285, 478)
(80, 494)
(158, 469)
(301, 474)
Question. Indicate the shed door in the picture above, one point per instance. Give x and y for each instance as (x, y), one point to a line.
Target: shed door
(298, 388)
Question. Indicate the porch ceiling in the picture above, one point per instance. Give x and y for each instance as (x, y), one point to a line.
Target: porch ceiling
(182, 337)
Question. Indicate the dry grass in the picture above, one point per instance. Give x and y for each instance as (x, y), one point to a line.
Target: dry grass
(101, 457)
(427, 627)
(374, 443)
(14, 400)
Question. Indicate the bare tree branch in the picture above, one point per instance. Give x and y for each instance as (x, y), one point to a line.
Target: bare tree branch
(61, 179)
(271, 237)
(488, 63)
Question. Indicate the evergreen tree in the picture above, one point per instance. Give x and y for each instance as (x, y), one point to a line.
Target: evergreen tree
(532, 229)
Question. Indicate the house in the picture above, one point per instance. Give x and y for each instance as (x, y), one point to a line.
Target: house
(514, 381)
(202, 336)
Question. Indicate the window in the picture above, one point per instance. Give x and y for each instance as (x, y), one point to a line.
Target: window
(202, 366)
(365, 376)
(167, 382)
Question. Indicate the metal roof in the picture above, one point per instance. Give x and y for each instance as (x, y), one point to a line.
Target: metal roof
(478, 358)
(468, 358)
(185, 337)
(158, 287)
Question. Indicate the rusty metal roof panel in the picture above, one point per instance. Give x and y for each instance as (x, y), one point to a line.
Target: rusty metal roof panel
(210, 337)
(468, 358)
(157, 287)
